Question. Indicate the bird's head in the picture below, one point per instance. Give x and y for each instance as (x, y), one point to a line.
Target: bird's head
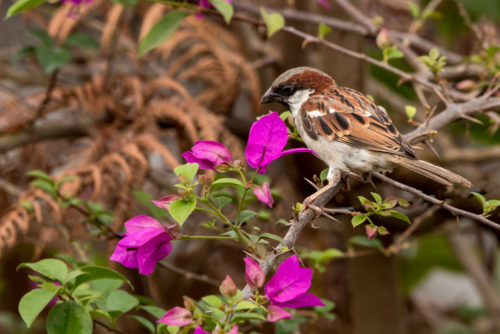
(294, 86)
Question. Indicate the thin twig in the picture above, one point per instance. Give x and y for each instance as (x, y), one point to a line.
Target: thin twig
(108, 327)
(48, 95)
(188, 274)
(435, 201)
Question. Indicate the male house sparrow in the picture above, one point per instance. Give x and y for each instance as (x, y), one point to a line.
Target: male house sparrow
(346, 129)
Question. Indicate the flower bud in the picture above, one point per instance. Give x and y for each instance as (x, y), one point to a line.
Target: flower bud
(237, 163)
(206, 180)
(228, 288)
(254, 276)
(371, 231)
(465, 85)
(223, 168)
(165, 201)
(189, 303)
(383, 41)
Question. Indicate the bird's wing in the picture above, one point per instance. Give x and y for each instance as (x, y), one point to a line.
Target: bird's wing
(347, 116)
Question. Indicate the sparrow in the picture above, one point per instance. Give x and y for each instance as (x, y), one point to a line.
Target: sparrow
(346, 129)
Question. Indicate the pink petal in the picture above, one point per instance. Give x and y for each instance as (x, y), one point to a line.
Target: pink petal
(267, 138)
(254, 276)
(263, 194)
(203, 164)
(370, 231)
(125, 256)
(212, 151)
(326, 5)
(152, 252)
(304, 300)
(198, 330)
(233, 330)
(289, 281)
(165, 201)
(227, 287)
(277, 313)
(177, 316)
(297, 150)
(140, 222)
(141, 237)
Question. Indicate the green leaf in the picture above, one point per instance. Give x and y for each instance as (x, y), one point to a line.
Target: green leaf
(212, 300)
(239, 316)
(490, 206)
(382, 230)
(225, 8)
(24, 52)
(245, 305)
(187, 172)
(480, 197)
(221, 201)
(155, 311)
(49, 188)
(32, 303)
(40, 175)
(22, 5)
(121, 300)
(414, 9)
(434, 54)
(145, 322)
(274, 22)
(52, 57)
(226, 181)
(127, 3)
(284, 115)
(161, 31)
(245, 215)
(392, 52)
(323, 30)
(82, 40)
(27, 205)
(410, 111)
(92, 273)
(400, 216)
(362, 240)
(377, 197)
(272, 237)
(323, 175)
(357, 220)
(50, 268)
(69, 317)
(181, 209)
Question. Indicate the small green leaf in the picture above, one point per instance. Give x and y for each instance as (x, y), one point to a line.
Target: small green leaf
(226, 181)
(121, 300)
(382, 230)
(52, 57)
(239, 316)
(144, 322)
(323, 30)
(377, 197)
(181, 209)
(40, 175)
(272, 237)
(33, 302)
(434, 54)
(221, 201)
(82, 40)
(24, 52)
(400, 216)
(284, 115)
(22, 5)
(161, 31)
(50, 268)
(392, 52)
(490, 206)
(27, 205)
(414, 9)
(225, 8)
(323, 175)
(245, 215)
(245, 305)
(403, 203)
(155, 311)
(274, 22)
(362, 240)
(91, 273)
(212, 300)
(357, 220)
(480, 197)
(410, 111)
(69, 317)
(187, 171)
(49, 188)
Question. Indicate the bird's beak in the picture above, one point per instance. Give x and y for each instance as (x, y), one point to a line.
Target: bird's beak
(270, 97)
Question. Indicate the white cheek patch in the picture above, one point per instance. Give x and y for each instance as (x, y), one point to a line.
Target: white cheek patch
(297, 99)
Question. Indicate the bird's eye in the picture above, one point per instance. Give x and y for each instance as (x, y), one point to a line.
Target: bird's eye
(288, 90)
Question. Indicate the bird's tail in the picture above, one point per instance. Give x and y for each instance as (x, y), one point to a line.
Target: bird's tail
(431, 171)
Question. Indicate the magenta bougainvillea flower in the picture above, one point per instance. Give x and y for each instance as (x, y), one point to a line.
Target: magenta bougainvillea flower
(208, 154)
(177, 316)
(254, 276)
(207, 4)
(78, 2)
(266, 141)
(277, 313)
(145, 243)
(199, 330)
(326, 5)
(165, 201)
(263, 194)
(288, 287)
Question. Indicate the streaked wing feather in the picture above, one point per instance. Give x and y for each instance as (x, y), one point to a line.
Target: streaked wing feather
(354, 120)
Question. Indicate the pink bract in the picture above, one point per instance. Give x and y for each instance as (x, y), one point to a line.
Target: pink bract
(263, 194)
(177, 316)
(208, 154)
(254, 276)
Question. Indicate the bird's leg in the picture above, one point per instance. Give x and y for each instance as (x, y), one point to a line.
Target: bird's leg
(333, 177)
